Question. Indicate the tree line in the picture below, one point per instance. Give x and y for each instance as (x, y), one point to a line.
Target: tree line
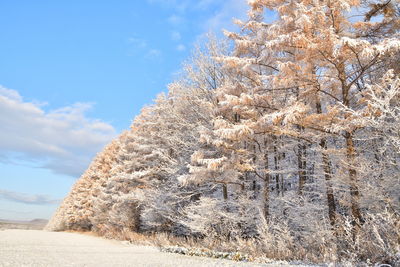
(286, 134)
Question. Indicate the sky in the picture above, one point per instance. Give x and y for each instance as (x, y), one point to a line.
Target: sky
(73, 74)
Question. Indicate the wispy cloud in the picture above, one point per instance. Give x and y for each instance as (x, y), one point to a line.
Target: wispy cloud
(176, 36)
(27, 198)
(153, 53)
(215, 14)
(204, 4)
(140, 46)
(137, 42)
(227, 11)
(62, 140)
(178, 5)
(15, 211)
(176, 20)
(181, 47)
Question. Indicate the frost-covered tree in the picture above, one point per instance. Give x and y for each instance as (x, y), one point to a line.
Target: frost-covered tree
(287, 114)
(289, 141)
(76, 211)
(147, 186)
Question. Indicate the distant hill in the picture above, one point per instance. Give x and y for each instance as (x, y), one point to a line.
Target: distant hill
(35, 224)
(39, 221)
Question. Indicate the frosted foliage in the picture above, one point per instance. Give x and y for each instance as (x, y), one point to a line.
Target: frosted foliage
(282, 141)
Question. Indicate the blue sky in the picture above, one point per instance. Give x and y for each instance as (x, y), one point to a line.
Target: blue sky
(74, 73)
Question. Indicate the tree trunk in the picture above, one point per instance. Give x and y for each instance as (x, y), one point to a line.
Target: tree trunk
(302, 165)
(354, 192)
(276, 163)
(225, 191)
(266, 187)
(326, 165)
(280, 176)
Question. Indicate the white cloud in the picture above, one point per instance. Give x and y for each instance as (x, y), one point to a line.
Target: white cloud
(176, 20)
(153, 53)
(27, 198)
(217, 14)
(228, 11)
(140, 46)
(15, 211)
(181, 47)
(10, 94)
(176, 36)
(140, 43)
(178, 5)
(62, 140)
(203, 4)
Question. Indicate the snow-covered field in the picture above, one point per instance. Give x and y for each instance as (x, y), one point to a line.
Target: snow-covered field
(41, 248)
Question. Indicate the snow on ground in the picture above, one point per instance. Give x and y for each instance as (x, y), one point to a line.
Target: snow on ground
(41, 248)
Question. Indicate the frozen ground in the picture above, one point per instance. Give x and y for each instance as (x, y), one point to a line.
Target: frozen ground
(41, 248)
